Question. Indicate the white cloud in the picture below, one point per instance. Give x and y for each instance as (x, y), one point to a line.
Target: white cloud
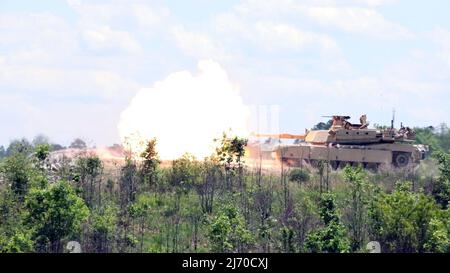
(48, 85)
(121, 14)
(24, 115)
(272, 35)
(364, 21)
(65, 82)
(42, 55)
(441, 37)
(115, 24)
(284, 36)
(47, 73)
(32, 31)
(195, 44)
(273, 41)
(375, 2)
(352, 16)
(105, 38)
(147, 16)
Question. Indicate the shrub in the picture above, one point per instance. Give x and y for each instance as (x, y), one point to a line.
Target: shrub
(299, 175)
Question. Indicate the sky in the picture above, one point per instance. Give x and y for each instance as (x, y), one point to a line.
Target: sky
(70, 68)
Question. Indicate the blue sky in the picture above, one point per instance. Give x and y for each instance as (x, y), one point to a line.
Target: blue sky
(69, 68)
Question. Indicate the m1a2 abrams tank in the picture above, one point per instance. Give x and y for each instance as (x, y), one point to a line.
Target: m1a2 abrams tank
(351, 144)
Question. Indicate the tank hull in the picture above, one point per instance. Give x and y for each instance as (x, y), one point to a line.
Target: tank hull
(396, 155)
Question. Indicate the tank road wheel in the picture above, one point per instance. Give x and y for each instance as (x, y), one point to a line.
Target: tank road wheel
(401, 160)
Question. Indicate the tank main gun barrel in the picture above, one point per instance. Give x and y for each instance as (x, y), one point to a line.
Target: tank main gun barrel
(284, 136)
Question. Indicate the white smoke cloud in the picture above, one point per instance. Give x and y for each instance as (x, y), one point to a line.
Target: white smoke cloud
(185, 112)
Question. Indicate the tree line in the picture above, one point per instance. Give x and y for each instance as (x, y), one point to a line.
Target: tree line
(217, 204)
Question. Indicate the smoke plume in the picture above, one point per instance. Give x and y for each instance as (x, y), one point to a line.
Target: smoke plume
(185, 112)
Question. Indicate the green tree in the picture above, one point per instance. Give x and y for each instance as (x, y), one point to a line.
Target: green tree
(263, 199)
(103, 222)
(358, 198)
(444, 137)
(182, 176)
(17, 243)
(127, 195)
(21, 146)
(211, 174)
(228, 231)
(88, 172)
(42, 151)
(78, 143)
(300, 219)
(426, 136)
(441, 187)
(231, 151)
(140, 211)
(56, 147)
(14, 235)
(332, 237)
(400, 220)
(127, 182)
(2, 152)
(16, 170)
(150, 163)
(55, 212)
(438, 235)
(185, 172)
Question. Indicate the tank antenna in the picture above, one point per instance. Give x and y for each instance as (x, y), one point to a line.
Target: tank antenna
(393, 118)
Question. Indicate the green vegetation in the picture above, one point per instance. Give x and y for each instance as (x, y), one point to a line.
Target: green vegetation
(299, 175)
(219, 204)
(331, 238)
(54, 212)
(437, 138)
(228, 231)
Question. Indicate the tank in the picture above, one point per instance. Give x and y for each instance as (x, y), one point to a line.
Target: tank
(345, 143)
